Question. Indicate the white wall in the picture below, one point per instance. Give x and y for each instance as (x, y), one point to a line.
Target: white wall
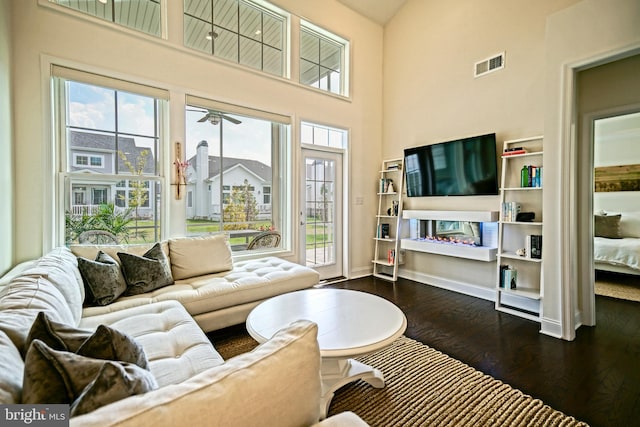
(7, 180)
(430, 95)
(41, 33)
(590, 32)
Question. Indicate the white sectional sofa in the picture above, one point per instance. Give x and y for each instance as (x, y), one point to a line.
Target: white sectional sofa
(214, 289)
(277, 384)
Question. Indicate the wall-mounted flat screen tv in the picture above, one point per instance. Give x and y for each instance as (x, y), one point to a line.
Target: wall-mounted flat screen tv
(464, 167)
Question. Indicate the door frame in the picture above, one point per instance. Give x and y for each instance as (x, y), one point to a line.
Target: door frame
(340, 241)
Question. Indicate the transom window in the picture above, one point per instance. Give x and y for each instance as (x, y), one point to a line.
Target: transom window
(323, 59)
(118, 190)
(140, 15)
(238, 168)
(323, 136)
(239, 31)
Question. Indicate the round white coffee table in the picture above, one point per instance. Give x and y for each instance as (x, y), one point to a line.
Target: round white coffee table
(350, 324)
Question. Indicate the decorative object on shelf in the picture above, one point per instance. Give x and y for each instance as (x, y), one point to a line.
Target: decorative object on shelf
(180, 171)
(521, 252)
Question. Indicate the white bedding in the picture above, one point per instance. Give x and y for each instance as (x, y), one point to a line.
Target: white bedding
(620, 252)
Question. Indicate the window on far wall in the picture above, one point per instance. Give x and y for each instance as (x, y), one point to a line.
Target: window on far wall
(140, 15)
(238, 170)
(323, 59)
(322, 136)
(108, 151)
(239, 31)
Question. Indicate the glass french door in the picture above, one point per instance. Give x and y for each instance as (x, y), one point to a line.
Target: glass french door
(321, 216)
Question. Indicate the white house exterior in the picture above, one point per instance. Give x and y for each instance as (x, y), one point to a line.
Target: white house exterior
(203, 183)
(95, 154)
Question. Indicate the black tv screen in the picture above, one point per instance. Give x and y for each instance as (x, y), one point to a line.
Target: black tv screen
(464, 167)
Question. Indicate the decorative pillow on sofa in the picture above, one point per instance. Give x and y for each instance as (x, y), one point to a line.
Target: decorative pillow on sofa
(104, 343)
(607, 226)
(195, 256)
(52, 376)
(102, 278)
(146, 273)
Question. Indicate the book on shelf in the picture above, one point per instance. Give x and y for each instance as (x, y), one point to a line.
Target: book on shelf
(533, 246)
(508, 277)
(391, 256)
(383, 231)
(513, 153)
(393, 166)
(510, 211)
(531, 176)
(386, 186)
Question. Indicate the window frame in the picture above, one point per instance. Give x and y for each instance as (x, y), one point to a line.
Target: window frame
(111, 22)
(265, 8)
(327, 36)
(64, 174)
(281, 161)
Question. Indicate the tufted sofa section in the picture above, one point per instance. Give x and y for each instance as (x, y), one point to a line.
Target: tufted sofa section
(175, 346)
(215, 300)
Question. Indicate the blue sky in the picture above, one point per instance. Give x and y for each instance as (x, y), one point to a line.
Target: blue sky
(94, 107)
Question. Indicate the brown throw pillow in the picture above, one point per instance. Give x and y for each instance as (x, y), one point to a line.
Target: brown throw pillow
(114, 382)
(146, 273)
(103, 343)
(56, 335)
(52, 376)
(607, 226)
(102, 278)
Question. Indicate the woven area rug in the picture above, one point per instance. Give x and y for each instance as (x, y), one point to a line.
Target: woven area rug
(427, 388)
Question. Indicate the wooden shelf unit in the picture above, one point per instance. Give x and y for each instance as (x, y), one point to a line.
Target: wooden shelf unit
(385, 266)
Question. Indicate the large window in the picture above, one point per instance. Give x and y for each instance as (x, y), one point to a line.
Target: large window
(141, 15)
(238, 171)
(108, 149)
(323, 60)
(240, 31)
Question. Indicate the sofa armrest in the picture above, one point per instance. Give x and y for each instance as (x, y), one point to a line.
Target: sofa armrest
(277, 384)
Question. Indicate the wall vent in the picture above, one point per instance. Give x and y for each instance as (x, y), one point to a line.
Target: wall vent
(489, 65)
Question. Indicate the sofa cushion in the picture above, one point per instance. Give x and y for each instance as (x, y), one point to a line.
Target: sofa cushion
(22, 300)
(175, 346)
(60, 268)
(52, 376)
(103, 278)
(147, 272)
(196, 256)
(101, 343)
(277, 384)
(11, 371)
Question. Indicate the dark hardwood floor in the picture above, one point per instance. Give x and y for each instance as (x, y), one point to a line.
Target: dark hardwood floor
(595, 378)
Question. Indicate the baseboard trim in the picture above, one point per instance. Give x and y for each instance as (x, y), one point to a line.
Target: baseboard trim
(488, 294)
(360, 272)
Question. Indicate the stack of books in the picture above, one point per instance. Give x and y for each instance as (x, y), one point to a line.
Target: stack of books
(508, 277)
(510, 211)
(514, 151)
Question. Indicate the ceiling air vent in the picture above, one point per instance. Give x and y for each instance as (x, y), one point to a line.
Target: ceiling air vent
(489, 65)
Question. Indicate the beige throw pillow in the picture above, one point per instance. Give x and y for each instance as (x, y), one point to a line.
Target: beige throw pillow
(195, 256)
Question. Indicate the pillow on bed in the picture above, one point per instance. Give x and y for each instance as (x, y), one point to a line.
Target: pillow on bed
(630, 224)
(607, 226)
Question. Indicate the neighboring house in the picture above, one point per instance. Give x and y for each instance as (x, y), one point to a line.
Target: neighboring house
(94, 153)
(203, 183)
